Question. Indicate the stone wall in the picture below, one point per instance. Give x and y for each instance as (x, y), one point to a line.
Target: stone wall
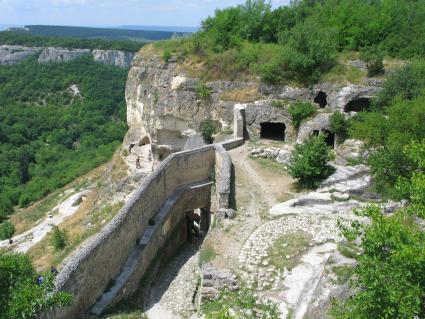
(89, 271)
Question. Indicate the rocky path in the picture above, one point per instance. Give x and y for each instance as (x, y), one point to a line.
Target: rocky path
(304, 227)
(23, 242)
(171, 296)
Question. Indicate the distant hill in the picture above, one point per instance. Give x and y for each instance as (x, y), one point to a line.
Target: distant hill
(99, 33)
(160, 28)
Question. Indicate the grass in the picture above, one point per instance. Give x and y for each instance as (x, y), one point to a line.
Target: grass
(270, 164)
(77, 230)
(287, 250)
(343, 273)
(26, 218)
(137, 314)
(349, 249)
(207, 253)
(240, 304)
(244, 95)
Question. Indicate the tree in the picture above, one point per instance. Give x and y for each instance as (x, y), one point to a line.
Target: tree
(58, 239)
(20, 295)
(309, 162)
(300, 111)
(7, 229)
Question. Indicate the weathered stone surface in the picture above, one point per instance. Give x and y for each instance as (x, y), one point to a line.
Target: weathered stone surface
(391, 206)
(350, 150)
(319, 123)
(14, 54)
(113, 57)
(61, 54)
(349, 93)
(214, 281)
(359, 64)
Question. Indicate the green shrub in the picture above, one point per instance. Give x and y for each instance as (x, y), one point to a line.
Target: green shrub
(20, 295)
(389, 277)
(203, 91)
(374, 63)
(58, 240)
(208, 129)
(339, 126)
(309, 163)
(299, 111)
(166, 56)
(7, 229)
(407, 83)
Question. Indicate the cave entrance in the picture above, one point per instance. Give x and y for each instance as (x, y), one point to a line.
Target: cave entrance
(358, 105)
(273, 131)
(198, 223)
(321, 99)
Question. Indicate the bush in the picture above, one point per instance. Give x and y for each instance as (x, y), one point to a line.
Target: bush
(300, 111)
(339, 126)
(390, 269)
(7, 229)
(58, 240)
(166, 56)
(202, 90)
(20, 295)
(407, 83)
(309, 162)
(374, 63)
(208, 129)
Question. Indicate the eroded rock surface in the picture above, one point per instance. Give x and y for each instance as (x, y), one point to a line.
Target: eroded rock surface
(58, 55)
(14, 54)
(113, 57)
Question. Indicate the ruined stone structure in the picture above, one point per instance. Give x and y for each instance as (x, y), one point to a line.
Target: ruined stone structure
(151, 225)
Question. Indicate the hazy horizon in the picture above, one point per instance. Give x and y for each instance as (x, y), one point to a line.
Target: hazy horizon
(112, 13)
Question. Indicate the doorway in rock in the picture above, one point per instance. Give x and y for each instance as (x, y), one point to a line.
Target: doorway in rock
(358, 105)
(321, 99)
(198, 223)
(273, 131)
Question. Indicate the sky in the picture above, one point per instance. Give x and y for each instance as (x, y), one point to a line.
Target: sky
(112, 12)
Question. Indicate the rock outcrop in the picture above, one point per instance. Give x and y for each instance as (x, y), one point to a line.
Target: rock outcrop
(114, 57)
(61, 54)
(166, 109)
(14, 54)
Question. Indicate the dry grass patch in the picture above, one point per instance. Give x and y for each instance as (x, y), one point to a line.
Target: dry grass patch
(243, 95)
(288, 249)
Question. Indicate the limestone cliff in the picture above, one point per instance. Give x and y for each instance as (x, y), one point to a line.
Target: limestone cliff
(14, 54)
(165, 106)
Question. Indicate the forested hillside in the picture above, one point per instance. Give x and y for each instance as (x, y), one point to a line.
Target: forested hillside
(303, 41)
(57, 122)
(22, 38)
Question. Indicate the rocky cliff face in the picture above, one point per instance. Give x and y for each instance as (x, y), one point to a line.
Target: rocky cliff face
(114, 57)
(61, 55)
(14, 54)
(166, 109)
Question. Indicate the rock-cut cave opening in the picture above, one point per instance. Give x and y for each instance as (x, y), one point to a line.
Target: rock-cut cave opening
(358, 105)
(273, 131)
(321, 99)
